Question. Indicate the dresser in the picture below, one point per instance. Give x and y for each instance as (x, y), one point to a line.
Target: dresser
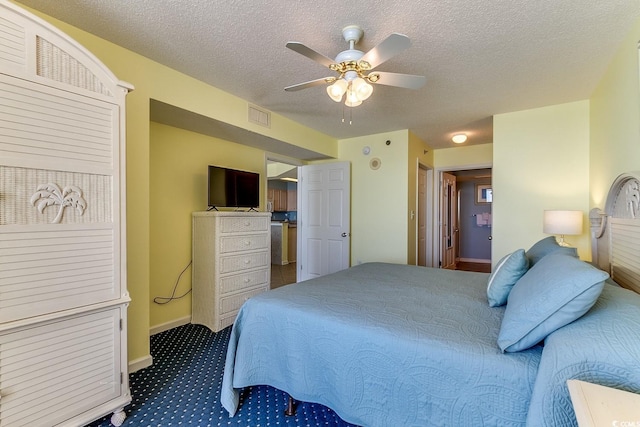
(231, 263)
(63, 293)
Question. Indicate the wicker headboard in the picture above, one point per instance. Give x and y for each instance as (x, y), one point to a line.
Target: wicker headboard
(615, 232)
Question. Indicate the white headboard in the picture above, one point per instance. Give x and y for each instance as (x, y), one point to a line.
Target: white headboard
(615, 232)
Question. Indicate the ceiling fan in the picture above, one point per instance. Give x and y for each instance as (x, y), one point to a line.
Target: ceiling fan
(354, 68)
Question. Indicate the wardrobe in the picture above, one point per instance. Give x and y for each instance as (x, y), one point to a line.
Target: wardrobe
(63, 293)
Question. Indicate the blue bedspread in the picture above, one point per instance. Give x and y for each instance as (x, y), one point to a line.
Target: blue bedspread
(384, 345)
(602, 347)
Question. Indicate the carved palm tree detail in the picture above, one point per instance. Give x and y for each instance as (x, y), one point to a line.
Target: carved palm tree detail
(50, 194)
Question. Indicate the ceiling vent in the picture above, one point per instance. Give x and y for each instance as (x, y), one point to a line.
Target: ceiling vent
(259, 116)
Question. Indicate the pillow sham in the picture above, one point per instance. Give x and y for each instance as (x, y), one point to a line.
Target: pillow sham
(505, 274)
(557, 290)
(545, 247)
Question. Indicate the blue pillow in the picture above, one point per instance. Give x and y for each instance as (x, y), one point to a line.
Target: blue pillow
(557, 290)
(505, 274)
(545, 247)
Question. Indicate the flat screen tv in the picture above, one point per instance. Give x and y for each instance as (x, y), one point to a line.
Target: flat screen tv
(233, 188)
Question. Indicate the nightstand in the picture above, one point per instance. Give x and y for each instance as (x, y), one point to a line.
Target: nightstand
(597, 405)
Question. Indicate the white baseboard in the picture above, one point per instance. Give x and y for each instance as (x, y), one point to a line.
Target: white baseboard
(141, 363)
(479, 261)
(169, 325)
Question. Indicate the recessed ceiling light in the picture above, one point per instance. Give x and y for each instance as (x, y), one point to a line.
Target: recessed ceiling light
(459, 138)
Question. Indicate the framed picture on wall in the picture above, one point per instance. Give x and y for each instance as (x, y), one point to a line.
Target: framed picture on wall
(484, 193)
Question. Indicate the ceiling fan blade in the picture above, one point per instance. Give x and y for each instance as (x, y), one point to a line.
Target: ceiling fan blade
(310, 53)
(308, 84)
(388, 48)
(408, 81)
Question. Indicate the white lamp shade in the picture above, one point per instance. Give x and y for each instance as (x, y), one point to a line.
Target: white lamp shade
(562, 222)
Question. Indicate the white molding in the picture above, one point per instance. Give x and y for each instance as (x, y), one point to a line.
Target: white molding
(140, 363)
(169, 325)
(476, 260)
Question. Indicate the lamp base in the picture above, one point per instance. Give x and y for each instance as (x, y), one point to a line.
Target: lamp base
(562, 242)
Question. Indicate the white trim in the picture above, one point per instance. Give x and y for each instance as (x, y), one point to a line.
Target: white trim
(479, 261)
(169, 325)
(141, 363)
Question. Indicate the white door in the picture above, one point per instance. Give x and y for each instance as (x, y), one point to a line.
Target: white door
(422, 217)
(324, 228)
(448, 221)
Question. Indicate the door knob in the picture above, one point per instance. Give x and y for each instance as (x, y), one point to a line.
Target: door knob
(345, 234)
(489, 237)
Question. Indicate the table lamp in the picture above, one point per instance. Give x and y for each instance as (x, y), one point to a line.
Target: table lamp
(562, 223)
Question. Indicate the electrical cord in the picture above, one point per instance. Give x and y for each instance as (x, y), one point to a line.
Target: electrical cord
(167, 300)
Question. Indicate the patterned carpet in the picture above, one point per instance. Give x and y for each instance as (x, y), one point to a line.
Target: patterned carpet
(182, 388)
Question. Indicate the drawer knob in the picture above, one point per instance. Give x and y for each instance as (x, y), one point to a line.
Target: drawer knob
(247, 243)
(247, 280)
(247, 261)
(247, 223)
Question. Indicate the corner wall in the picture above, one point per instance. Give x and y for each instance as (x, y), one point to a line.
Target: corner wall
(615, 120)
(540, 161)
(178, 187)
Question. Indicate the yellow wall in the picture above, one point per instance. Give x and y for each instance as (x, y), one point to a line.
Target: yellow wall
(379, 217)
(155, 81)
(615, 120)
(540, 161)
(178, 187)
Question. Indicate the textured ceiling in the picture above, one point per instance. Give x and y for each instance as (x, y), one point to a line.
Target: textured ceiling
(480, 57)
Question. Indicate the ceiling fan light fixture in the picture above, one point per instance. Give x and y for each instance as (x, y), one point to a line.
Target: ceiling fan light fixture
(337, 89)
(352, 99)
(361, 88)
(459, 138)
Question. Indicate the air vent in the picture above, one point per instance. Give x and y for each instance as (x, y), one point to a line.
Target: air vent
(259, 116)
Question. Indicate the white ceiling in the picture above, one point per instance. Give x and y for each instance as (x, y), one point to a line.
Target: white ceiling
(480, 57)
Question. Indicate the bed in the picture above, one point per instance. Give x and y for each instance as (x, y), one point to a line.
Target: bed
(386, 344)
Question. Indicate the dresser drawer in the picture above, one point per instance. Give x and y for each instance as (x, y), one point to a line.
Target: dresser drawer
(240, 224)
(232, 303)
(232, 263)
(248, 242)
(244, 281)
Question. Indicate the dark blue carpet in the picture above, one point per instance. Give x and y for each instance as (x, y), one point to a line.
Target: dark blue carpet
(182, 388)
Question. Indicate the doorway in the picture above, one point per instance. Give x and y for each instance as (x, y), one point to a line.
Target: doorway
(282, 196)
(425, 238)
(466, 219)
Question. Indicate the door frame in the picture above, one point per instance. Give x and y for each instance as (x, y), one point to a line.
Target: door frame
(437, 207)
(277, 158)
(426, 207)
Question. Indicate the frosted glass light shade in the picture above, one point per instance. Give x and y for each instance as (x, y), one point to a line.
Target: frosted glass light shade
(562, 222)
(337, 89)
(352, 99)
(459, 138)
(362, 89)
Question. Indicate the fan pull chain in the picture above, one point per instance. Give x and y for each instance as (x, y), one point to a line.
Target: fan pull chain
(350, 114)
